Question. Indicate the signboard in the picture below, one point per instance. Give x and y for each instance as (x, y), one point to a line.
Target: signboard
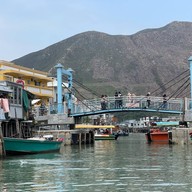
(20, 81)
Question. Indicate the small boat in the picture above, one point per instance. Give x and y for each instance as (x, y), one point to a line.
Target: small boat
(161, 131)
(16, 146)
(106, 137)
(106, 133)
(123, 133)
(158, 135)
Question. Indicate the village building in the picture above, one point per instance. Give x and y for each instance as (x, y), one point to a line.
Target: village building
(33, 81)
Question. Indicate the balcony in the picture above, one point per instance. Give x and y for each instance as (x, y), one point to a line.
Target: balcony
(40, 91)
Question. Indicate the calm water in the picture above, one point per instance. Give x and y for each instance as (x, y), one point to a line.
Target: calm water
(128, 164)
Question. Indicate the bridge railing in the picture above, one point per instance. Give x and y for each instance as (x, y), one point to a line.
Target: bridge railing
(137, 102)
(115, 104)
(188, 104)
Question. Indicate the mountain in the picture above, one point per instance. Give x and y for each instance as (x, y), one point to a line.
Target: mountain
(137, 63)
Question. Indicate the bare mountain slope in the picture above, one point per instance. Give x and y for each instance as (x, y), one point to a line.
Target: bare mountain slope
(138, 62)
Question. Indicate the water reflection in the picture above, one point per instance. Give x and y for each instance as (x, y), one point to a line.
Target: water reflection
(128, 164)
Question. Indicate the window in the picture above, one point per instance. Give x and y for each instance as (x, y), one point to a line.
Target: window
(16, 95)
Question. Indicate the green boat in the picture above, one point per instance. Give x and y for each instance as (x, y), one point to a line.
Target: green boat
(16, 146)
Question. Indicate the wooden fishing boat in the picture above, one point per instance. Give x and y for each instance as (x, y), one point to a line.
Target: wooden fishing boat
(163, 134)
(157, 135)
(16, 146)
(97, 128)
(123, 133)
(161, 131)
(106, 136)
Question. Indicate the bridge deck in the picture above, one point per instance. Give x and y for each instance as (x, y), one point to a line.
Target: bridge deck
(137, 103)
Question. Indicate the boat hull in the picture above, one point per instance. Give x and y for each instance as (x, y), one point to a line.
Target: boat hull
(159, 136)
(24, 146)
(105, 137)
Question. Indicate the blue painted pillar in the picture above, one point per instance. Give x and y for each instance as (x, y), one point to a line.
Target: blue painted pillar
(190, 67)
(59, 87)
(70, 87)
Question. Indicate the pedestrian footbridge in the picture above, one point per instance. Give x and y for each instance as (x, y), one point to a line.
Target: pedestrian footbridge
(125, 104)
(180, 106)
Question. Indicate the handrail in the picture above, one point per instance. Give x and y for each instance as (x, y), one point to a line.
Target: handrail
(112, 105)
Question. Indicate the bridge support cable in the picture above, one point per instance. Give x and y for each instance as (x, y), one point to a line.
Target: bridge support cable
(172, 80)
(174, 83)
(171, 96)
(180, 88)
(182, 92)
(83, 103)
(86, 88)
(90, 106)
(190, 68)
(186, 93)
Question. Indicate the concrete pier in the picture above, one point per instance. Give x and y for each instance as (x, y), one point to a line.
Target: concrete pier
(71, 137)
(182, 136)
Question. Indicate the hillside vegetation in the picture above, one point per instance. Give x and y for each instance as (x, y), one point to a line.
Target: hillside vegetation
(136, 63)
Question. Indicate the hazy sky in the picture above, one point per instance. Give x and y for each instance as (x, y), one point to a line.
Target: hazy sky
(31, 25)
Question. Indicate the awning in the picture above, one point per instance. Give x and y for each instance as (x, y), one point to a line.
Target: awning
(25, 101)
(86, 126)
(34, 101)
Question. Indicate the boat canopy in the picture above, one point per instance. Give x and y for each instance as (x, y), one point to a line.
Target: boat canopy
(166, 123)
(88, 126)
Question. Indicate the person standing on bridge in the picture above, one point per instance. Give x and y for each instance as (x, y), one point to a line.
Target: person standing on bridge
(164, 101)
(103, 102)
(106, 101)
(120, 101)
(116, 100)
(148, 100)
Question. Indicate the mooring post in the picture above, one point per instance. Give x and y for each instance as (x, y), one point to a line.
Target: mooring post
(2, 148)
